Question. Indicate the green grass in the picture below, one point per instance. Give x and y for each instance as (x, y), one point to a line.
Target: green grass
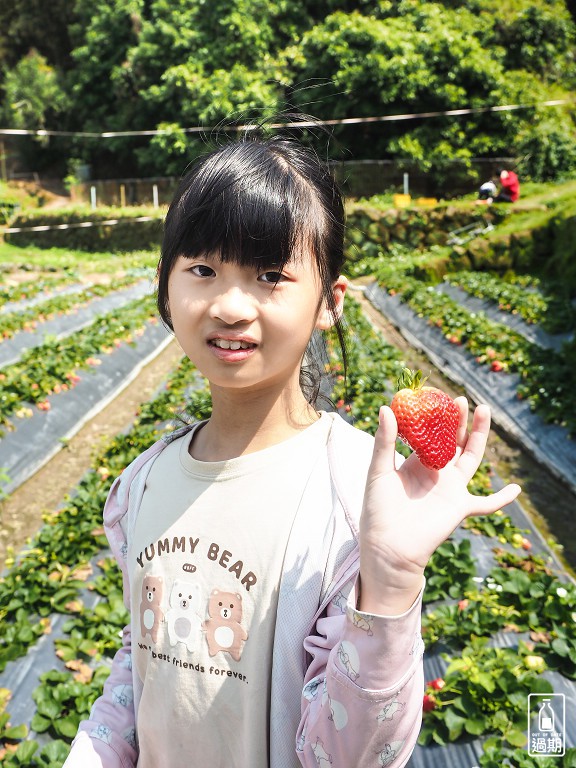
(64, 259)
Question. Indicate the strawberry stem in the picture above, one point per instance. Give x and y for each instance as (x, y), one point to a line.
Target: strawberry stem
(410, 379)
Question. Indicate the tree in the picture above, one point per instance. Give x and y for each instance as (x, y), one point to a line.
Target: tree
(33, 94)
(38, 25)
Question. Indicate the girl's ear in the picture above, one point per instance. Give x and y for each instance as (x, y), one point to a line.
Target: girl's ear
(327, 317)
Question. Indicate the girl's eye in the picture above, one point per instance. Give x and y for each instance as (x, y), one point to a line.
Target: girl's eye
(272, 277)
(202, 270)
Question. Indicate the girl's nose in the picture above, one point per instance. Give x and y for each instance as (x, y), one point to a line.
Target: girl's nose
(234, 305)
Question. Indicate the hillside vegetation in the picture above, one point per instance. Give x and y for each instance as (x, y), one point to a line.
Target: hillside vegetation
(148, 64)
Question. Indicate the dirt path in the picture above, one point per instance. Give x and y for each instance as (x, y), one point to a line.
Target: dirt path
(21, 513)
(548, 502)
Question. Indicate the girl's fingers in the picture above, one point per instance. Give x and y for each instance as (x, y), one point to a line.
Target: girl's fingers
(384, 454)
(486, 505)
(475, 445)
(462, 431)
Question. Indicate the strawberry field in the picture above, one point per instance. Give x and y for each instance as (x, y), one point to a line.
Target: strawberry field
(500, 601)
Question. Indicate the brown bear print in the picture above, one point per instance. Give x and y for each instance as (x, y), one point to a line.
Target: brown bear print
(151, 614)
(223, 629)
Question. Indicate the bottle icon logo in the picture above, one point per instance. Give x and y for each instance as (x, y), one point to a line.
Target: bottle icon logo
(546, 716)
(546, 724)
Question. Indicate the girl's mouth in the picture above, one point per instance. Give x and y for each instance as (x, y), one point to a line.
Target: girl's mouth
(234, 345)
(232, 350)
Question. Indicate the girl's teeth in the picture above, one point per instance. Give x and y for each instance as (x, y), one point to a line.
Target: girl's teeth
(225, 344)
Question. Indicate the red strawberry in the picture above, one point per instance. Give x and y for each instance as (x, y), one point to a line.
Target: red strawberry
(427, 419)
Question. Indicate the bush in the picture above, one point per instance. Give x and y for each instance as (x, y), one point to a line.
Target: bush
(129, 234)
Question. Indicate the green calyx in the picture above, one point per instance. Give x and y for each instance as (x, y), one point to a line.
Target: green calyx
(410, 379)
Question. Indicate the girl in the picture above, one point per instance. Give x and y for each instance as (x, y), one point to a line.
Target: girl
(273, 555)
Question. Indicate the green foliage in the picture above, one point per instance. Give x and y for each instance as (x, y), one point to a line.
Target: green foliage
(141, 64)
(125, 235)
(485, 691)
(34, 97)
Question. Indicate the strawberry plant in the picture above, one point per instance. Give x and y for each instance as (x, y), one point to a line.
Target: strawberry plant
(519, 295)
(28, 754)
(8, 733)
(450, 556)
(497, 525)
(547, 378)
(42, 370)
(484, 692)
(28, 319)
(496, 755)
(62, 702)
(373, 366)
(478, 613)
(31, 288)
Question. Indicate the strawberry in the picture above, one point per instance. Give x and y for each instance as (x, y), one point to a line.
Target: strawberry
(427, 419)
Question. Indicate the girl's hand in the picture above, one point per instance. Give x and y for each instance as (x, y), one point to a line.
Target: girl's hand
(408, 512)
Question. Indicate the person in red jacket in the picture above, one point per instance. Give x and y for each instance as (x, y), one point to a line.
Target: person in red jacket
(509, 187)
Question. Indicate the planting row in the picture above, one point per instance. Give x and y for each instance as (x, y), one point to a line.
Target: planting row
(64, 303)
(547, 379)
(32, 288)
(54, 367)
(521, 294)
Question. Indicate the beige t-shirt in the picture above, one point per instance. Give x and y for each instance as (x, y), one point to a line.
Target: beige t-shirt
(205, 558)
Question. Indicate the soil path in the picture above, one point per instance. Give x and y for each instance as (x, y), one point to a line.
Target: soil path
(548, 502)
(21, 514)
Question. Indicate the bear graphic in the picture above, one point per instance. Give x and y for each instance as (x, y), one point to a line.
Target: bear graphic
(184, 624)
(151, 614)
(223, 629)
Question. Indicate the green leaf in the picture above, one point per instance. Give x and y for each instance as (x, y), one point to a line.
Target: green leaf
(40, 724)
(455, 724)
(25, 751)
(516, 738)
(68, 727)
(560, 646)
(49, 708)
(486, 681)
(475, 727)
(16, 732)
(56, 751)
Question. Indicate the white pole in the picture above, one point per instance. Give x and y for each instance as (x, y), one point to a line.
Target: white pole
(406, 185)
(93, 197)
(155, 195)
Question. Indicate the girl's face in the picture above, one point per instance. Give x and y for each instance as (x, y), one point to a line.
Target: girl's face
(244, 328)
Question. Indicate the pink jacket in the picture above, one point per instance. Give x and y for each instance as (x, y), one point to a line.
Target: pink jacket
(346, 686)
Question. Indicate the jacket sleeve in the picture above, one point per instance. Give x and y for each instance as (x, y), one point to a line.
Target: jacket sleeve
(108, 738)
(362, 698)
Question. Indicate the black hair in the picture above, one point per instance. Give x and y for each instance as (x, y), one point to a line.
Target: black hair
(260, 201)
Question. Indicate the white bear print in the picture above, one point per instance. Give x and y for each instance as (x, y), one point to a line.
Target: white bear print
(103, 733)
(184, 624)
(388, 754)
(340, 600)
(322, 757)
(363, 622)
(310, 690)
(388, 712)
(301, 741)
(348, 657)
(123, 695)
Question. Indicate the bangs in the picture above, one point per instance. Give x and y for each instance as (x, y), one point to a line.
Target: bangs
(250, 209)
